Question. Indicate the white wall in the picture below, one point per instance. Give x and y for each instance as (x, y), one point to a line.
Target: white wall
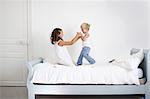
(116, 26)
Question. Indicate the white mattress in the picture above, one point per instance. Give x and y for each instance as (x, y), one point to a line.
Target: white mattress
(45, 73)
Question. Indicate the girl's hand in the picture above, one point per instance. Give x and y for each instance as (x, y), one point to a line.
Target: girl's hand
(79, 34)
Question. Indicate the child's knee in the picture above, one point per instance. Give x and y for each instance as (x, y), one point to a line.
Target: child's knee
(84, 54)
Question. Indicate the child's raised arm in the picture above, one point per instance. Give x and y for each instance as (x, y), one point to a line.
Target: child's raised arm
(62, 43)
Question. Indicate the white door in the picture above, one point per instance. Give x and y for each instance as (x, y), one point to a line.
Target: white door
(13, 42)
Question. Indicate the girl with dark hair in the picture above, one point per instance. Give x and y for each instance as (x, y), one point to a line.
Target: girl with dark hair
(57, 37)
(62, 56)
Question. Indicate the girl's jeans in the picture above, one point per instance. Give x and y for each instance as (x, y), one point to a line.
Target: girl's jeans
(85, 53)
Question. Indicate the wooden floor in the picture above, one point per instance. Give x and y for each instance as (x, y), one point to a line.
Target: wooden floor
(21, 93)
(13, 93)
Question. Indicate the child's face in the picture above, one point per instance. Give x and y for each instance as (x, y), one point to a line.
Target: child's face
(84, 29)
(61, 34)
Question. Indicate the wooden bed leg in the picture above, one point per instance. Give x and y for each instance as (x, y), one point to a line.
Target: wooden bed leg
(147, 96)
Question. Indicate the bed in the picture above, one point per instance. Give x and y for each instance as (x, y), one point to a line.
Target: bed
(80, 86)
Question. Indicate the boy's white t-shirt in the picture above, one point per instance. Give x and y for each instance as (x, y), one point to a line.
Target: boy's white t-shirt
(86, 42)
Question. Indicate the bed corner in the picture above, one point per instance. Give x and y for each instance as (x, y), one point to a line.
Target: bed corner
(145, 65)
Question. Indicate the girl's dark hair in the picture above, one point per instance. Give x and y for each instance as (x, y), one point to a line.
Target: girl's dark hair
(55, 35)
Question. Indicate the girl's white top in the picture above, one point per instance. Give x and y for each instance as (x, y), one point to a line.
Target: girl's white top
(61, 52)
(62, 55)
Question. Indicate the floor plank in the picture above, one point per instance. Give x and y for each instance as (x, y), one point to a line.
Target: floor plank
(13, 93)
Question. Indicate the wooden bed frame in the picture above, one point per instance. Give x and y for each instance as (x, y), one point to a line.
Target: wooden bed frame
(143, 90)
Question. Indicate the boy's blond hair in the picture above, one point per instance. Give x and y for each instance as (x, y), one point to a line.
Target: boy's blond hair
(86, 24)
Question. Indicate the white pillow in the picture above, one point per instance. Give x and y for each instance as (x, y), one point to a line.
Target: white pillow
(136, 59)
(62, 56)
(131, 62)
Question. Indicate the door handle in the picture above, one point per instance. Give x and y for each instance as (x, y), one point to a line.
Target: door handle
(22, 42)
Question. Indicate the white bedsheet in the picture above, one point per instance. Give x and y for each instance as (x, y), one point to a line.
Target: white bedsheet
(46, 73)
